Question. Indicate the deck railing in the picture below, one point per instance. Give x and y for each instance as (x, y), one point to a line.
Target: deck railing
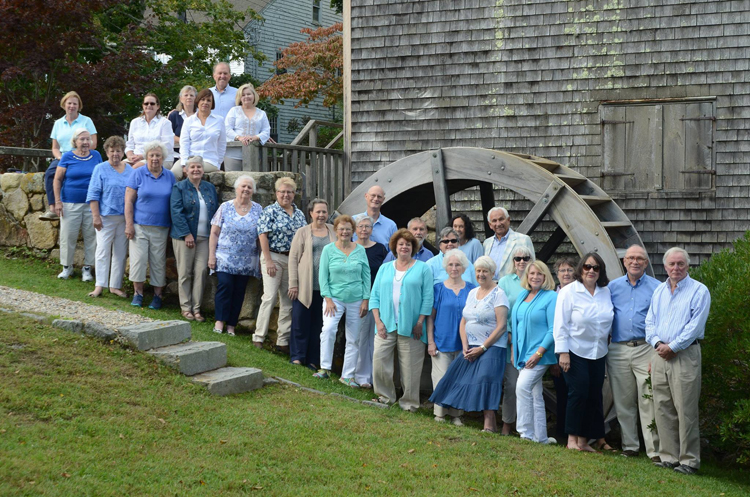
(322, 169)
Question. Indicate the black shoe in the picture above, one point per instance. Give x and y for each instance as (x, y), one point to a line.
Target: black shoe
(666, 465)
(685, 469)
(629, 453)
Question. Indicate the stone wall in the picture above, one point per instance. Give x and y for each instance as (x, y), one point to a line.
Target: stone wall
(24, 200)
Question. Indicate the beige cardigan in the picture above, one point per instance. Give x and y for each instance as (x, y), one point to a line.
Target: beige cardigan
(301, 262)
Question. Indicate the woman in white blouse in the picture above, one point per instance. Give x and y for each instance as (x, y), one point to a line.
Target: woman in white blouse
(203, 134)
(245, 123)
(149, 126)
(583, 321)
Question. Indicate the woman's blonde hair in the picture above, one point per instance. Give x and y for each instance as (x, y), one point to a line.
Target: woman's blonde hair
(285, 181)
(549, 283)
(238, 97)
(69, 95)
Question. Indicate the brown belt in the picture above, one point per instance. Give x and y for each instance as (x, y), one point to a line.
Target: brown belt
(632, 343)
(281, 253)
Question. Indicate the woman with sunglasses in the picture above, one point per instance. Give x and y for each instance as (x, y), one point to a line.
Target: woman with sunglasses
(583, 321)
(511, 285)
(147, 127)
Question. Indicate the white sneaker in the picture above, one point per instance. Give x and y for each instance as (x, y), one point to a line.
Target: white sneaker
(67, 272)
(457, 421)
(86, 274)
(550, 441)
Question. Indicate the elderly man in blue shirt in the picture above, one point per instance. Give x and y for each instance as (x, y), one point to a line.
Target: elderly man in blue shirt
(383, 228)
(675, 325)
(629, 356)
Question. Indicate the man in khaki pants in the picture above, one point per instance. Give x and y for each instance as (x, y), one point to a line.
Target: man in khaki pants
(675, 325)
(630, 356)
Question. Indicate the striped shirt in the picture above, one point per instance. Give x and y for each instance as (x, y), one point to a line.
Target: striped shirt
(679, 318)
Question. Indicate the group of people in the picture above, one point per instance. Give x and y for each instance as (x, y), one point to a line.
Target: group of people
(488, 315)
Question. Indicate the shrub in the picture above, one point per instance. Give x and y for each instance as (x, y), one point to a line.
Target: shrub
(725, 398)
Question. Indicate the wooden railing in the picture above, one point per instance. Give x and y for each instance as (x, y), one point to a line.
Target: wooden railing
(322, 169)
(33, 157)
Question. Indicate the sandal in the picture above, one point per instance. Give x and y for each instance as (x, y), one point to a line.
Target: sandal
(349, 382)
(198, 317)
(322, 375)
(217, 330)
(368, 386)
(605, 447)
(381, 400)
(188, 315)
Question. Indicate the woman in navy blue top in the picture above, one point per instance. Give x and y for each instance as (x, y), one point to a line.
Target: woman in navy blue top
(443, 337)
(71, 186)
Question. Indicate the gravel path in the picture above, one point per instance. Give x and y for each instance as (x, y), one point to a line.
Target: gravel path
(36, 303)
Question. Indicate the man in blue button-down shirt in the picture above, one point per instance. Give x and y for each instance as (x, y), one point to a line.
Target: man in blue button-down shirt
(630, 356)
(675, 325)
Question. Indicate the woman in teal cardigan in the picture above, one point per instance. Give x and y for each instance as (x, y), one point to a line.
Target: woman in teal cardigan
(407, 283)
(533, 317)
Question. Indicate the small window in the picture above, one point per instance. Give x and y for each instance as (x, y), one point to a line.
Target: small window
(316, 12)
(664, 146)
(279, 56)
(274, 123)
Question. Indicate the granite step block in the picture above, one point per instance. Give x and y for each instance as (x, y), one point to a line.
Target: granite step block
(155, 334)
(193, 357)
(228, 381)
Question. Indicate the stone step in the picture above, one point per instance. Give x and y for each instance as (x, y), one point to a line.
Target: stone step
(193, 357)
(228, 381)
(155, 334)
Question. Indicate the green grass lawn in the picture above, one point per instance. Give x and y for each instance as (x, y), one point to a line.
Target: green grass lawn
(80, 417)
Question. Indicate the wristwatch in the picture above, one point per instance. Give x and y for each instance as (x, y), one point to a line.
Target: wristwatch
(657, 344)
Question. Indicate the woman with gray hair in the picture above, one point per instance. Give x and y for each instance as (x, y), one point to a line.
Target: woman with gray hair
(71, 185)
(193, 204)
(233, 252)
(448, 241)
(511, 285)
(473, 382)
(443, 337)
(376, 254)
(147, 222)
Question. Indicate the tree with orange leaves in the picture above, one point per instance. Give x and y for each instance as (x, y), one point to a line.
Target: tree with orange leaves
(310, 68)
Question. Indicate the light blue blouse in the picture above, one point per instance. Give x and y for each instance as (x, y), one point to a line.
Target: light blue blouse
(533, 323)
(473, 250)
(416, 298)
(344, 277)
(439, 274)
(107, 186)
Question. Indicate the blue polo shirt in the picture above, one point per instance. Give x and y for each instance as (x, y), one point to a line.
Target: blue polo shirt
(152, 202)
(63, 132)
(631, 305)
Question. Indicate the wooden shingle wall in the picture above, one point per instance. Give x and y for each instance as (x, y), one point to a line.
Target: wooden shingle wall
(531, 76)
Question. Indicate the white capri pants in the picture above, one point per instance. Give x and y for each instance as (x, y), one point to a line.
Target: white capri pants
(77, 217)
(111, 252)
(328, 336)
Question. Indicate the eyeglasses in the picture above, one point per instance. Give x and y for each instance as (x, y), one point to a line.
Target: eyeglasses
(589, 267)
(364, 227)
(637, 259)
(145, 104)
(525, 258)
(564, 271)
(449, 240)
(285, 192)
(344, 230)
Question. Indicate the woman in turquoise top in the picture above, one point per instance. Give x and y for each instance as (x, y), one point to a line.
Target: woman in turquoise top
(344, 278)
(511, 285)
(400, 301)
(532, 319)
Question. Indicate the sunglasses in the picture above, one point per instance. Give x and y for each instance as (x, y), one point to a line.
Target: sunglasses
(149, 103)
(525, 258)
(589, 267)
(449, 240)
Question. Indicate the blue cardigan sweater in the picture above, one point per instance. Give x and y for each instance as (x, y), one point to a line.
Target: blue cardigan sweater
(537, 329)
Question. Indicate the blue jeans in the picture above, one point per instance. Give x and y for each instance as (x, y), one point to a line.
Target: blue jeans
(49, 180)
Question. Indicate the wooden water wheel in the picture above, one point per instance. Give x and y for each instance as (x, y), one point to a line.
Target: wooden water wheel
(583, 212)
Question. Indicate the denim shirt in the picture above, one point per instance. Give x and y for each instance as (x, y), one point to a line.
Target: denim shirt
(185, 207)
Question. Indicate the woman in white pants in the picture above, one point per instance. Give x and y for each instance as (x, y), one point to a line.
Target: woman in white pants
(345, 286)
(533, 318)
(71, 185)
(106, 197)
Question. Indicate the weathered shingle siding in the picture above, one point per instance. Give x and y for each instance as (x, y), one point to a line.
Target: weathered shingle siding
(283, 21)
(530, 76)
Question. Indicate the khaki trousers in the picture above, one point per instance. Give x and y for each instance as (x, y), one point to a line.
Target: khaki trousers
(192, 269)
(272, 287)
(510, 378)
(149, 248)
(77, 217)
(410, 360)
(677, 389)
(440, 364)
(628, 376)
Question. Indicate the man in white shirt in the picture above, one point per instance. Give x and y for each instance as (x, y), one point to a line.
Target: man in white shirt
(675, 325)
(382, 227)
(224, 94)
(505, 242)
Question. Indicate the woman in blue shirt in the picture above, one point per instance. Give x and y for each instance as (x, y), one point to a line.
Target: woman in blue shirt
(71, 186)
(106, 197)
(193, 204)
(147, 222)
(400, 301)
(443, 337)
(532, 319)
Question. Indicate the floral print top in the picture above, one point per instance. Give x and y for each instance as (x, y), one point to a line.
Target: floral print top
(480, 317)
(280, 226)
(237, 251)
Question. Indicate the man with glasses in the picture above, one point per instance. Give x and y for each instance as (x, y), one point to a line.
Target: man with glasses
(418, 228)
(505, 242)
(675, 325)
(630, 356)
(383, 228)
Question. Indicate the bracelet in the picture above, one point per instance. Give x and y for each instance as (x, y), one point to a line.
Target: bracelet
(537, 353)
(483, 348)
